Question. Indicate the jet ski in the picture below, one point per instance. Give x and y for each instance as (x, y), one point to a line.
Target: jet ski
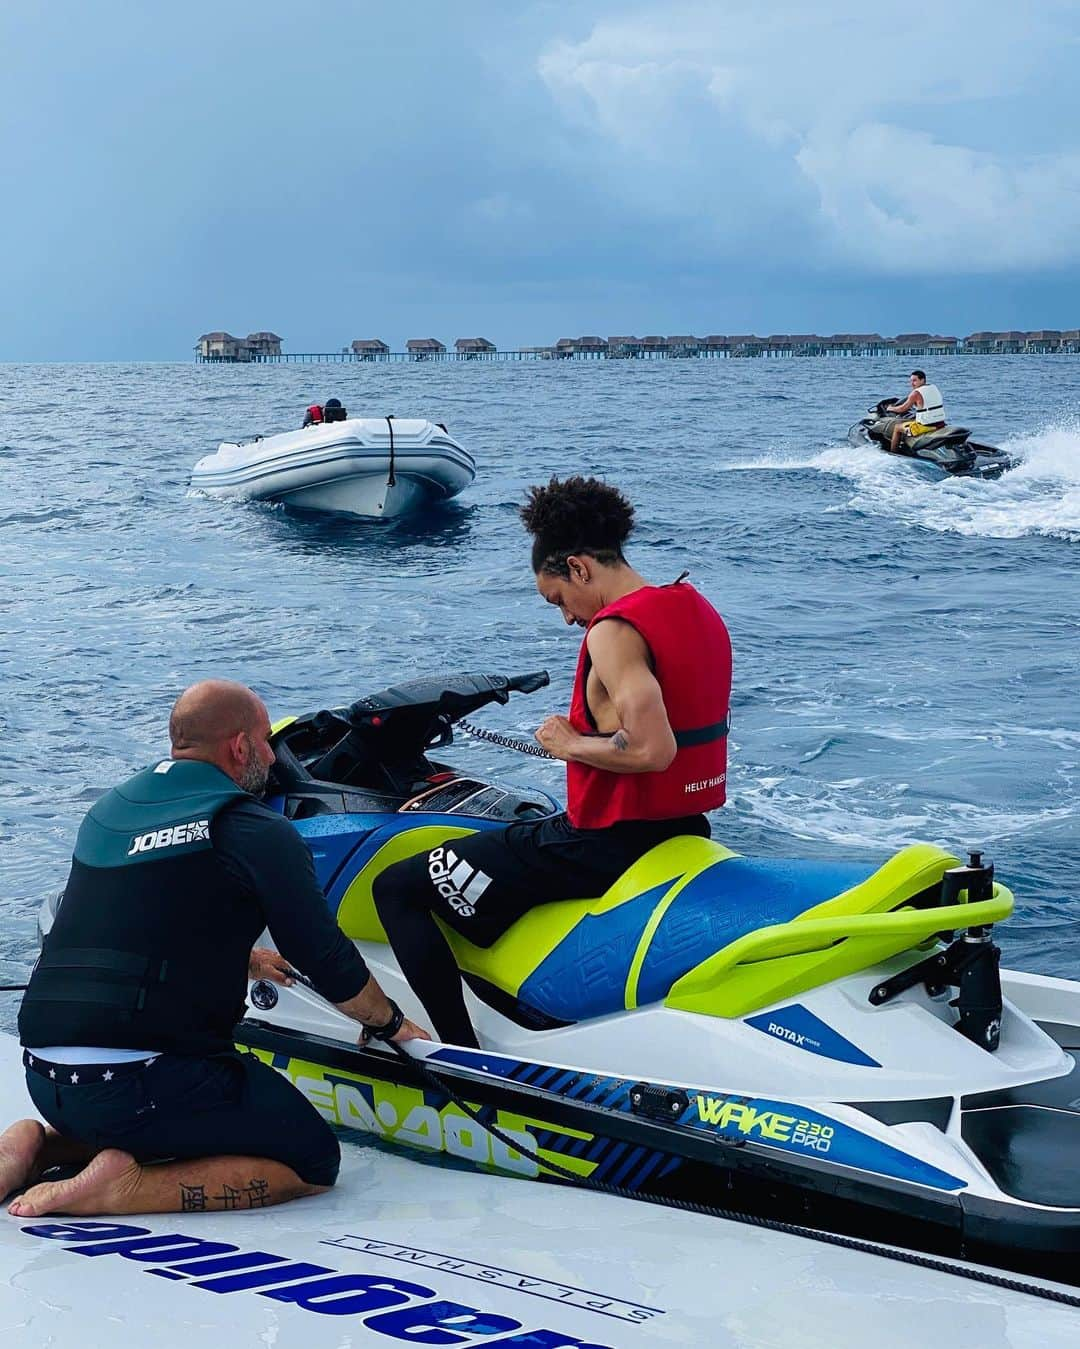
(375, 467)
(825, 1042)
(950, 449)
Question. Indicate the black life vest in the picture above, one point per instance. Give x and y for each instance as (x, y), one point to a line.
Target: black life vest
(150, 946)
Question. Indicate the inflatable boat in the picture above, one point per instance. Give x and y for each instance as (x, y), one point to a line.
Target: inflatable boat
(376, 468)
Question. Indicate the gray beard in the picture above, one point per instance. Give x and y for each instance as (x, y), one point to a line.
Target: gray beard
(254, 778)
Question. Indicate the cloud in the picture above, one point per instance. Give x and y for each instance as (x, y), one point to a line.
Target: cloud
(910, 137)
(962, 209)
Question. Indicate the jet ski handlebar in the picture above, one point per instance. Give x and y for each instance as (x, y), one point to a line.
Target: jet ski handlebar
(383, 737)
(446, 697)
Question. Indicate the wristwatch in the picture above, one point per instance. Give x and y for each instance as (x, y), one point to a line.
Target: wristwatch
(387, 1032)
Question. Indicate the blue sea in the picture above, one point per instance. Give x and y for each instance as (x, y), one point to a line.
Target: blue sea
(906, 648)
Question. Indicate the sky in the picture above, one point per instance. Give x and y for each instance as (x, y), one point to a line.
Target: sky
(531, 170)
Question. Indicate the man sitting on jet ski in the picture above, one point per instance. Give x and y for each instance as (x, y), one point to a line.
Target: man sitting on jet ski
(926, 402)
(645, 747)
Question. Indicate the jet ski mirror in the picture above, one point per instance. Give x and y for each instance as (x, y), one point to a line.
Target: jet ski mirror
(529, 683)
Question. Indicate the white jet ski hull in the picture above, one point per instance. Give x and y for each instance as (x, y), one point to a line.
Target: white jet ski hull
(405, 1248)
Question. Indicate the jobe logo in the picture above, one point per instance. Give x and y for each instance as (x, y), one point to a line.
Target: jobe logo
(418, 1315)
(195, 831)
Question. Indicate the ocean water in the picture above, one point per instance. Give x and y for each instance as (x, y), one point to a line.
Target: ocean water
(906, 648)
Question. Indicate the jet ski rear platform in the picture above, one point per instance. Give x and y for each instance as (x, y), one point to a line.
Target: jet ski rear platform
(408, 1251)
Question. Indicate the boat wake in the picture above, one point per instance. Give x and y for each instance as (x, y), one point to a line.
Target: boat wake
(1040, 497)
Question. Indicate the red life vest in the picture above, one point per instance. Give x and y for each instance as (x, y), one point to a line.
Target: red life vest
(315, 414)
(691, 655)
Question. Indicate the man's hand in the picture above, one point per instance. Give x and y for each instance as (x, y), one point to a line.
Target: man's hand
(271, 965)
(558, 737)
(409, 1031)
(371, 1007)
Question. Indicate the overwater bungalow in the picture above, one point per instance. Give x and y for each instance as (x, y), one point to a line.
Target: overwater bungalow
(623, 348)
(220, 346)
(980, 344)
(370, 349)
(474, 348)
(593, 347)
(262, 347)
(424, 348)
(1043, 342)
(682, 347)
(910, 344)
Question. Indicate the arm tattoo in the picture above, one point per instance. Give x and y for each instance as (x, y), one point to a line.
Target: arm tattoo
(192, 1198)
(621, 740)
(229, 1198)
(258, 1193)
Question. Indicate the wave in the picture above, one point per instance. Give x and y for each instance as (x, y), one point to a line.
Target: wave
(1040, 497)
(836, 813)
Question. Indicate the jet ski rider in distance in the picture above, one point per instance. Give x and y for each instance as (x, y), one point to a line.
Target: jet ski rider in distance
(928, 406)
(645, 747)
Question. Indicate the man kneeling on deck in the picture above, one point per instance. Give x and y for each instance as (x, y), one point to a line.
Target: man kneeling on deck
(127, 1020)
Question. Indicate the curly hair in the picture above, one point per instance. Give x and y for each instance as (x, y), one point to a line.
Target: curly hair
(576, 516)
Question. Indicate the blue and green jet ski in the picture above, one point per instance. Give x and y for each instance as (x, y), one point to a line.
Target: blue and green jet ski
(829, 1042)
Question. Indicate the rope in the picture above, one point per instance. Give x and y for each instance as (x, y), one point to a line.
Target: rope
(12, 988)
(733, 1215)
(391, 480)
(506, 741)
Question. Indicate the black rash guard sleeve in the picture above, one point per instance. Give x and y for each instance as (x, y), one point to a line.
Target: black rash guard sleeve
(273, 866)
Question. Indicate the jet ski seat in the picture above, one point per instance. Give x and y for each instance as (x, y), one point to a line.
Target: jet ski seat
(695, 926)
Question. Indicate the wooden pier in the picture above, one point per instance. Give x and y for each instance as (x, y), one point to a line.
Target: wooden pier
(216, 348)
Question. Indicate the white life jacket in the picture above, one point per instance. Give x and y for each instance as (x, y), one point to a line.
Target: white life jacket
(933, 408)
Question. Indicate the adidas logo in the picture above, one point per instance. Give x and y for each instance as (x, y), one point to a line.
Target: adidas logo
(459, 883)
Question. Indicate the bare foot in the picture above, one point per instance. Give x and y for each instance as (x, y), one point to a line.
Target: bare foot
(19, 1148)
(101, 1187)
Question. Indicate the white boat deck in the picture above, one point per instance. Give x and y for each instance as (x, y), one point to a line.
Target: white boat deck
(427, 1254)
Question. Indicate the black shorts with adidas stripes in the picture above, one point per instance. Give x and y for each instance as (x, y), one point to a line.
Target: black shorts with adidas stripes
(481, 885)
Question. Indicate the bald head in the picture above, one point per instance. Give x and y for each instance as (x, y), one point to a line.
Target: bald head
(226, 724)
(215, 710)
